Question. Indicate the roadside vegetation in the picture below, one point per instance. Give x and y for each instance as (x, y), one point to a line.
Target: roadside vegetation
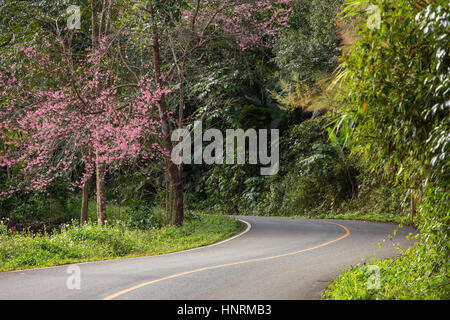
(377, 151)
(90, 242)
(359, 92)
(421, 272)
(399, 92)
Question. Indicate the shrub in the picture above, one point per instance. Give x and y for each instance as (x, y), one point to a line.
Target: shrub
(139, 214)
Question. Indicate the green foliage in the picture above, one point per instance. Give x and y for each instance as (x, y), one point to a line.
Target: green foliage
(318, 175)
(398, 86)
(233, 94)
(375, 202)
(37, 210)
(22, 250)
(139, 214)
(224, 187)
(419, 273)
(310, 47)
(315, 177)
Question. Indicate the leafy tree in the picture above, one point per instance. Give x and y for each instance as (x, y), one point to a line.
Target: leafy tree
(189, 29)
(310, 47)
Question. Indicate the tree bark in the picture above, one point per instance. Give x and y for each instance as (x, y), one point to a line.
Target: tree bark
(167, 199)
(414, 198)
(101, 203)
(181, 109)
(94, 25)
(99, 166)
(84, 203)
(174, 172)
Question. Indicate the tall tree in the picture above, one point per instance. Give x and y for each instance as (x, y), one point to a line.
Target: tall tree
(165, 126)
(188, 29)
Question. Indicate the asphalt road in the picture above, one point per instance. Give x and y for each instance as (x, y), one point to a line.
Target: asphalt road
(273, 258)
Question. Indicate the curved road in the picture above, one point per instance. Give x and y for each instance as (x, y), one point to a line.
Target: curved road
(273, 258)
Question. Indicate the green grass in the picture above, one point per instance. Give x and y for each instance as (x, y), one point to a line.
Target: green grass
(405, 278)
(358, 215)
(422, 272)
(364, 216)
(74, 244)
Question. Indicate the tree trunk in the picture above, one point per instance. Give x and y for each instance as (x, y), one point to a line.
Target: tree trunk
(99, 166)
(174, 173)
(94, 24)
(181, 110)
(414, 198)
(101, 207)
(84, 203)
(166, 202)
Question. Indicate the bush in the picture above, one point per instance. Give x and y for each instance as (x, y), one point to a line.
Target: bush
(311, 46)
(38, 211)
(313, 179)
(399, 86)
(139, 214)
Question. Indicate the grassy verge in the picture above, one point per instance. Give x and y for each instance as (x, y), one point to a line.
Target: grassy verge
(357, 215)
(404, 278)
(74, 244)
(422, 272)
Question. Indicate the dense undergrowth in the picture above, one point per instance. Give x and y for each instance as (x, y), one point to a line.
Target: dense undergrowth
(402, 114)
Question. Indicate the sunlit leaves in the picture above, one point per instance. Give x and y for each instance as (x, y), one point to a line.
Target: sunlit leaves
(398, 84)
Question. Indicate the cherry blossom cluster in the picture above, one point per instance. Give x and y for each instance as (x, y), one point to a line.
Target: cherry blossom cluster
(254, 23)
(50, 131)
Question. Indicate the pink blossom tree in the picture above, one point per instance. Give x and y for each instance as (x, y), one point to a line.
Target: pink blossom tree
(79, 116)
(49, 131)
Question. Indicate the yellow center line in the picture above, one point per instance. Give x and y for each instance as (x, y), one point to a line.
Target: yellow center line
(120, 293)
